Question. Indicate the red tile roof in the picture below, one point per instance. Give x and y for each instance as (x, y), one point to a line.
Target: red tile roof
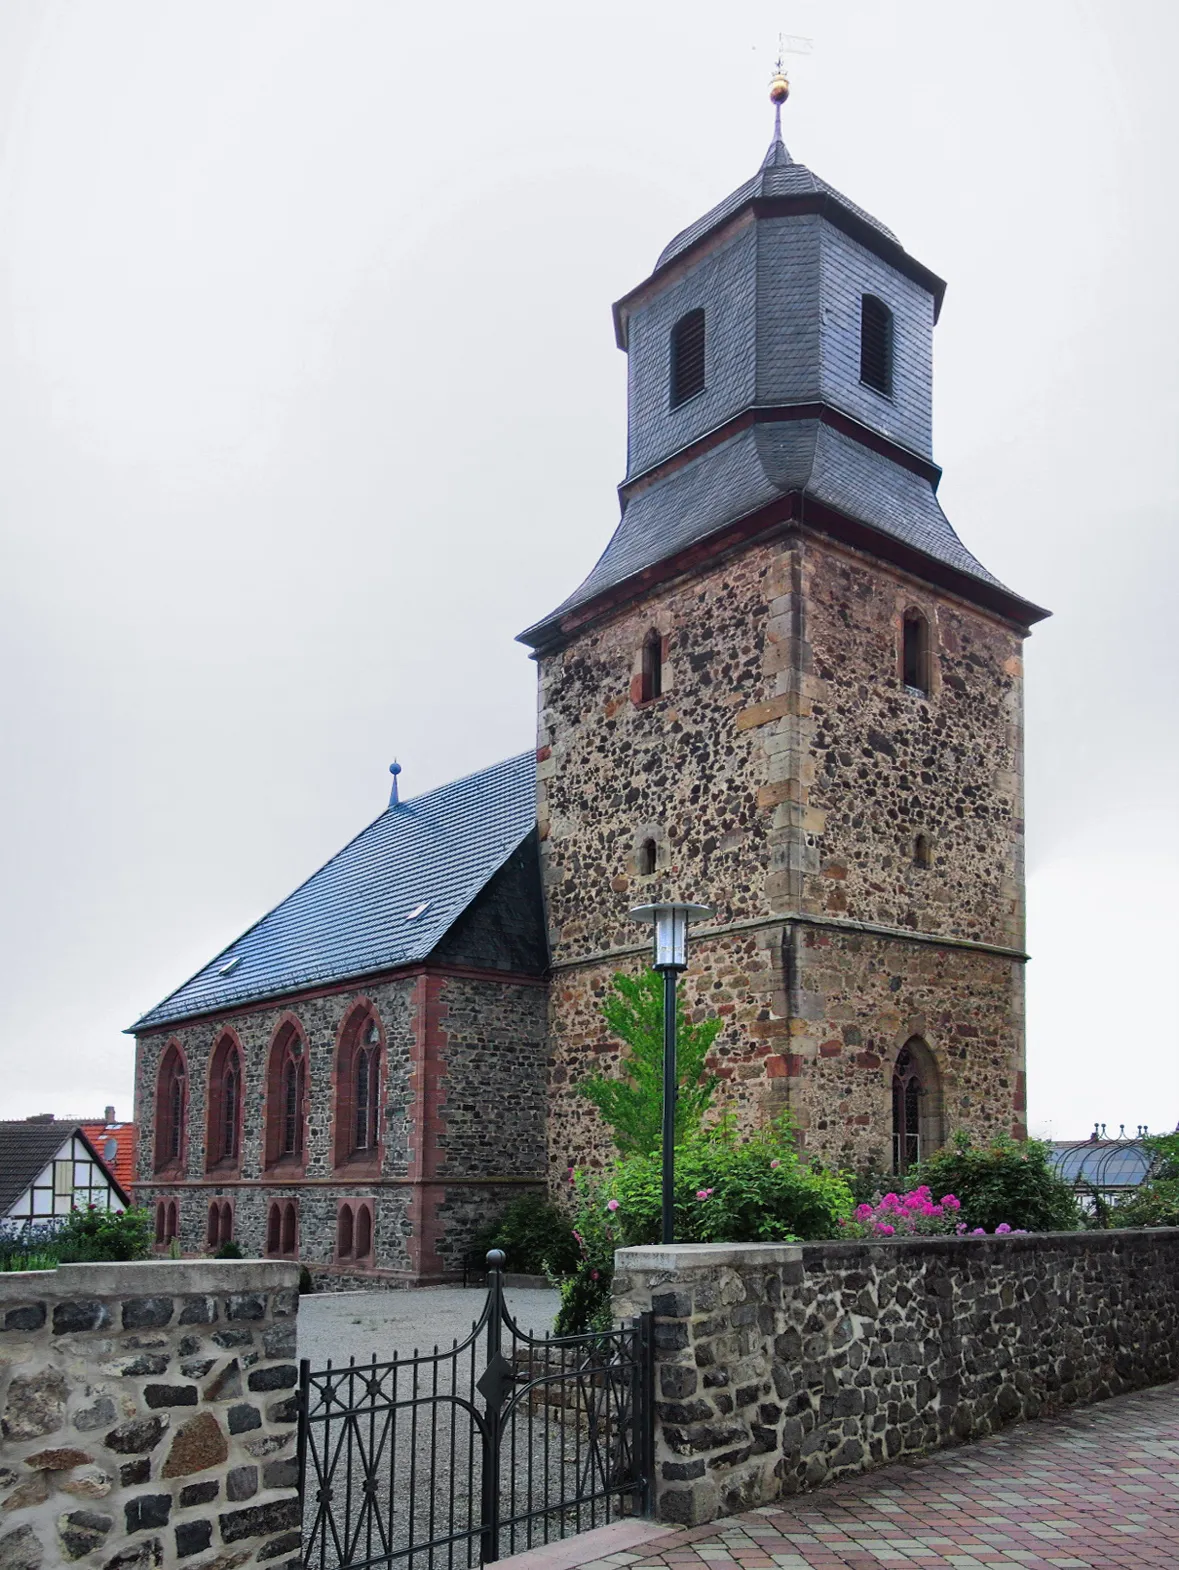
(122, 1166)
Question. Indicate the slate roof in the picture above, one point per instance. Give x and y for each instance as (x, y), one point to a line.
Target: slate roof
(353, 916)
(25, 1151)
(779, 175)
(753, 468)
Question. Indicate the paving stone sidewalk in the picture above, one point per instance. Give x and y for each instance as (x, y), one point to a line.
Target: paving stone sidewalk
(1096, 1489)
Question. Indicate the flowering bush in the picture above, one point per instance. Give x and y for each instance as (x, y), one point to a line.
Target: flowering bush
(729, 1188)
(1005, 1182)
(915, 1214)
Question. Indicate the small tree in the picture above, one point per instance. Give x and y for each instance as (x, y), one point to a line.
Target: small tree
(632, 1105)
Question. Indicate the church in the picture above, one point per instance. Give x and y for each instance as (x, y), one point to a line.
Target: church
(786, 690)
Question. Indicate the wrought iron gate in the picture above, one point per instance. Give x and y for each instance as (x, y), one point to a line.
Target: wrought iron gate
(450, 1459)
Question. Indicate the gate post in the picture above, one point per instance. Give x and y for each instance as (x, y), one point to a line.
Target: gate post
(493, 1386)
(644, 1406)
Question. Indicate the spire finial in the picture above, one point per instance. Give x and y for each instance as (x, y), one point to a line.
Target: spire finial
(394, 770)
(779, 93)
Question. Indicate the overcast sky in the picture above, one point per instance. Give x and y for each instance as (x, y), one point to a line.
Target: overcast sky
(309, 402)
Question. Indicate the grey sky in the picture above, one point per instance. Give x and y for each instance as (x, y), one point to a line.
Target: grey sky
(309, 402)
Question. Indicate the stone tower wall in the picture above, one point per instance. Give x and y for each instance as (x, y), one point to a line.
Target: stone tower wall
(784, 774)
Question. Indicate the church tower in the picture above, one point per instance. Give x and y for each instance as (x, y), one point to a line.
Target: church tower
(787, 690)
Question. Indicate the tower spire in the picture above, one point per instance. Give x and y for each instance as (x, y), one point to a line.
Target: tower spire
(779, 93)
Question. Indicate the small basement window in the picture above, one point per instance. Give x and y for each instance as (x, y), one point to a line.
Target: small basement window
(687, 358)
(876, 345)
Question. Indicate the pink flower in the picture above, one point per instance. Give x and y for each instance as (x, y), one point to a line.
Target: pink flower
(1002, 1228)
(593, 1275)
(960, 1228)
(951, 1203)
(863, 1212)
(885, 1230)
(979, 1232)
(705, 1193)
(776, 1162)
(611, 1204)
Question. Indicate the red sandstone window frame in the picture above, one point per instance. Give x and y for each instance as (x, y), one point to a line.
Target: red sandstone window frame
(223, 1125)
(285, 1144)
(282, 1229)
(354, 1233)
(171, 1110)
(220, 1226)
(358, 1084)
(167, 1222)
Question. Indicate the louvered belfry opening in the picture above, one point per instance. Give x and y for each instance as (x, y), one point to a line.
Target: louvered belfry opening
(687, 357)
(876, 344)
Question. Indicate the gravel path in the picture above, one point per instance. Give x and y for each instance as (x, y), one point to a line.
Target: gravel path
(340, 1325)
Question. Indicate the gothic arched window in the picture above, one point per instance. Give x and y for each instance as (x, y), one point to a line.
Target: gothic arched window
(358, 1091)
(282, 1228)
(916, 1106)
(171, 1108)
(876, 345)
(915, 664)
(646, 858)
(687, 357)
(286, 1098)
(223, 1134)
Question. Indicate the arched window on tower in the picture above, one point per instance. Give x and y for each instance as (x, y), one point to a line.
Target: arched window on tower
(916, 1106)
(646, 858)
(687, 357)
(915, 663)
(171, 1109)
(651, 677)
(358, 1091)
(286, 1099)
(223, 1133)
(921, 852)
(876, 345)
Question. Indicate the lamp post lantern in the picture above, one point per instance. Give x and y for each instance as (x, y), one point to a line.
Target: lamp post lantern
(670, 923)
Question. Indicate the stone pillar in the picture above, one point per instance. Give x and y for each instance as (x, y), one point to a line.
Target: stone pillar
(148, 1415)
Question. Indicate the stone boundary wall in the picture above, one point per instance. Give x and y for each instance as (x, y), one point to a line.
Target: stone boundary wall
(779, 1367)
(148, 1416)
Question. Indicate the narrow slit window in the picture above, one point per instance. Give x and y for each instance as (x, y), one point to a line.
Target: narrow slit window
(651, 680)
(915, 653)
(921, 855)
(687, 357)
(876, 345)
(647, 855)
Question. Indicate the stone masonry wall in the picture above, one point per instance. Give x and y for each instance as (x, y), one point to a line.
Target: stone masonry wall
(784, 774)
(147, 1416)
(782, 1367)
(462, 1121)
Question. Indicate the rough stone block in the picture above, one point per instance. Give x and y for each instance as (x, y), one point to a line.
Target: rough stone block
(147, 1313)
(80, 1315)
(280, 1515)
(196, 1447)
(193, 1537)
(80, 1532)
(241, 1482)
(35, 1405)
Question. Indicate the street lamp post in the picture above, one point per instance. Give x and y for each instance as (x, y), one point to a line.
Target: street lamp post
(670, 923)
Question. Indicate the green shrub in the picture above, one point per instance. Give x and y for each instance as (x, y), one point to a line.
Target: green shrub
(632, 1103)
(306, 1284)
(90, 1235)
(228, 1250)
(536, 1236)
(729, 1188)
(1003, 1183)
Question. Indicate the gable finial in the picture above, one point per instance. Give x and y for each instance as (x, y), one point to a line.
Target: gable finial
(394, 770)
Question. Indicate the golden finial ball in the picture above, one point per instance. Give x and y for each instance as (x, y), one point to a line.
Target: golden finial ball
(779, 89)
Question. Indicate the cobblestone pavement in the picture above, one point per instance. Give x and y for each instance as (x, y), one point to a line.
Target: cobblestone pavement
(1097, 1488)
